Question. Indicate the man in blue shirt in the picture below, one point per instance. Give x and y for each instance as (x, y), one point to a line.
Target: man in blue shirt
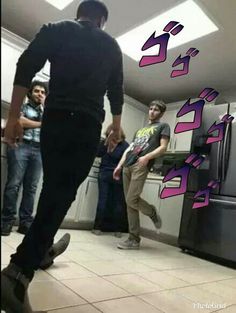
(24, 163)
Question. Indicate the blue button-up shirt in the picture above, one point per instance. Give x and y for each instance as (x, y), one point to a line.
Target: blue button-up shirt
(34, 113)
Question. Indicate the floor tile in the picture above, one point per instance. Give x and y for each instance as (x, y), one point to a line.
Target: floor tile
(126, 305)
(231, 309)
(198, 295)
(68, 271)
(42, 276)
(222, 290)
(229, 282)
(104, 268)
(133, 266)
(78, 256)
(46, 295)
(133, 284)
(164, 280)
(95, 289)
(171, 302)
(87, 308)
(200, 275)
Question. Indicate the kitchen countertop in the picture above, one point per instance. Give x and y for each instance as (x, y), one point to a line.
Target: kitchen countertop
(153, 176)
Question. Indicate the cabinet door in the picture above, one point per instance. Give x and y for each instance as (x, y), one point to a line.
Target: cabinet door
(151, 193)
(10, 56)
(89, 200)
(73, 210)
(170, 211)
(132, 120)
(182, 141)
(170, 118)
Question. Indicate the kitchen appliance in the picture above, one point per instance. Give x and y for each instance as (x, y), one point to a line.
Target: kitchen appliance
(211, 230)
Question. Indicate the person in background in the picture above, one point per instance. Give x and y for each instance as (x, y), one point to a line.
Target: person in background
(24, 163)
(111, 201)
(86, 63)
(24, 168)
(149, 143)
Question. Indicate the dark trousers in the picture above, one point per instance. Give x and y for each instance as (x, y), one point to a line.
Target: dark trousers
(111, 209)
(24, 168)
(69, 142)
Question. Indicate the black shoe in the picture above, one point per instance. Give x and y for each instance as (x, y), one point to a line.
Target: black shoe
(55, 250)
(6, 229)
(23, 228)
(14, 291)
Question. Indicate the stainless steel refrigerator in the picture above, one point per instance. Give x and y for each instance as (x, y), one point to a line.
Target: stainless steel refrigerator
(211, 230)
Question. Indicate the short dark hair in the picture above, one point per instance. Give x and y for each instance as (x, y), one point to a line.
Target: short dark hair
(94, 9)
(160, 104)
(37, 83)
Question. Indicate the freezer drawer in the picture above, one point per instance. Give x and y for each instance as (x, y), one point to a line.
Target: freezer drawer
(210, 229)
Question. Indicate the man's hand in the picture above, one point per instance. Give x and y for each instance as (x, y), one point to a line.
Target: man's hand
(13, 132)
(112, 140)
(143, 161)
(117, 172)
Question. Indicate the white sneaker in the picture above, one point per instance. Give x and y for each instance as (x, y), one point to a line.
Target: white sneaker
(129, 244)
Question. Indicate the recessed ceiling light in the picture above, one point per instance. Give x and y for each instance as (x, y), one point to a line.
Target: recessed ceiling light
(196, 24)
(59, 4)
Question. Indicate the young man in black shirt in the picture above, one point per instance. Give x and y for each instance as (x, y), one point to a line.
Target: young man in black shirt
(85, 63)
(149, 143)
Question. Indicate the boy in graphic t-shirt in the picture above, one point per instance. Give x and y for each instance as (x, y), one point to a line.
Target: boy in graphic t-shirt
(149, 143)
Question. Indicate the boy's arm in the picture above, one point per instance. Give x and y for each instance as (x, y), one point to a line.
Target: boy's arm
(155, 153)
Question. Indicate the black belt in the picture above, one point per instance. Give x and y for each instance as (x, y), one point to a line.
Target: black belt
(32, 143)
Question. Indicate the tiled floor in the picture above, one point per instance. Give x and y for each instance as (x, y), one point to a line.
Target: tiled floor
(94, 276)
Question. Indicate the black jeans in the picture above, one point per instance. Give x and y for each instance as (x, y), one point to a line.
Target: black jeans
(69, 142)
(111, 209)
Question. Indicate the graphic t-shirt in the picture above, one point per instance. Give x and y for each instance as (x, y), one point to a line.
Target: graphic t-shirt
(146, 140)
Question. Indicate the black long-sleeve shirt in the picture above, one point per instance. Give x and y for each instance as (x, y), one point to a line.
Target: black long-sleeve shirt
(85, 62)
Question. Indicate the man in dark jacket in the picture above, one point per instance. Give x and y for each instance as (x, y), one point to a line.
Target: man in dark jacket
(85, 63)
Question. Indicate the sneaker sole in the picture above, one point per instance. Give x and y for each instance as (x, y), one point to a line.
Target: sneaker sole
(127, 248)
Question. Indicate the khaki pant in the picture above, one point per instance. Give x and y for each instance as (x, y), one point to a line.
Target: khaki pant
(134, 178)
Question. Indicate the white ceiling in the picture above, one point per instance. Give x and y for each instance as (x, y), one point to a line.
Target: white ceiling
(215, 65)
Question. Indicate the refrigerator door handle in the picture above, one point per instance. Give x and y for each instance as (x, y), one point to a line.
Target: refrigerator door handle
(218, 160)
(225, 153)
(217, 201)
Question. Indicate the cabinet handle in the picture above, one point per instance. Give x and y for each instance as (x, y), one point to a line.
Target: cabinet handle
(175, 143)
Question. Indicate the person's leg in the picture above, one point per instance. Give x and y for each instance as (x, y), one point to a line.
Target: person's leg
(103, 191)
(30, 183)
(17, 159)
(119, 207)
(68, 151)
(133, 215)
(134, 202)
(68, 146)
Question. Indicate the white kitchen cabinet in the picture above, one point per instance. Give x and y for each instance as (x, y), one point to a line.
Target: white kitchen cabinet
(170, 212)
(73, 210)
(170, 209)
(151, 193)
(12, 47)
(86, 209)
(132, 120)
(180, 142)
(169, 117)
(10, 55)
(134, 116)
